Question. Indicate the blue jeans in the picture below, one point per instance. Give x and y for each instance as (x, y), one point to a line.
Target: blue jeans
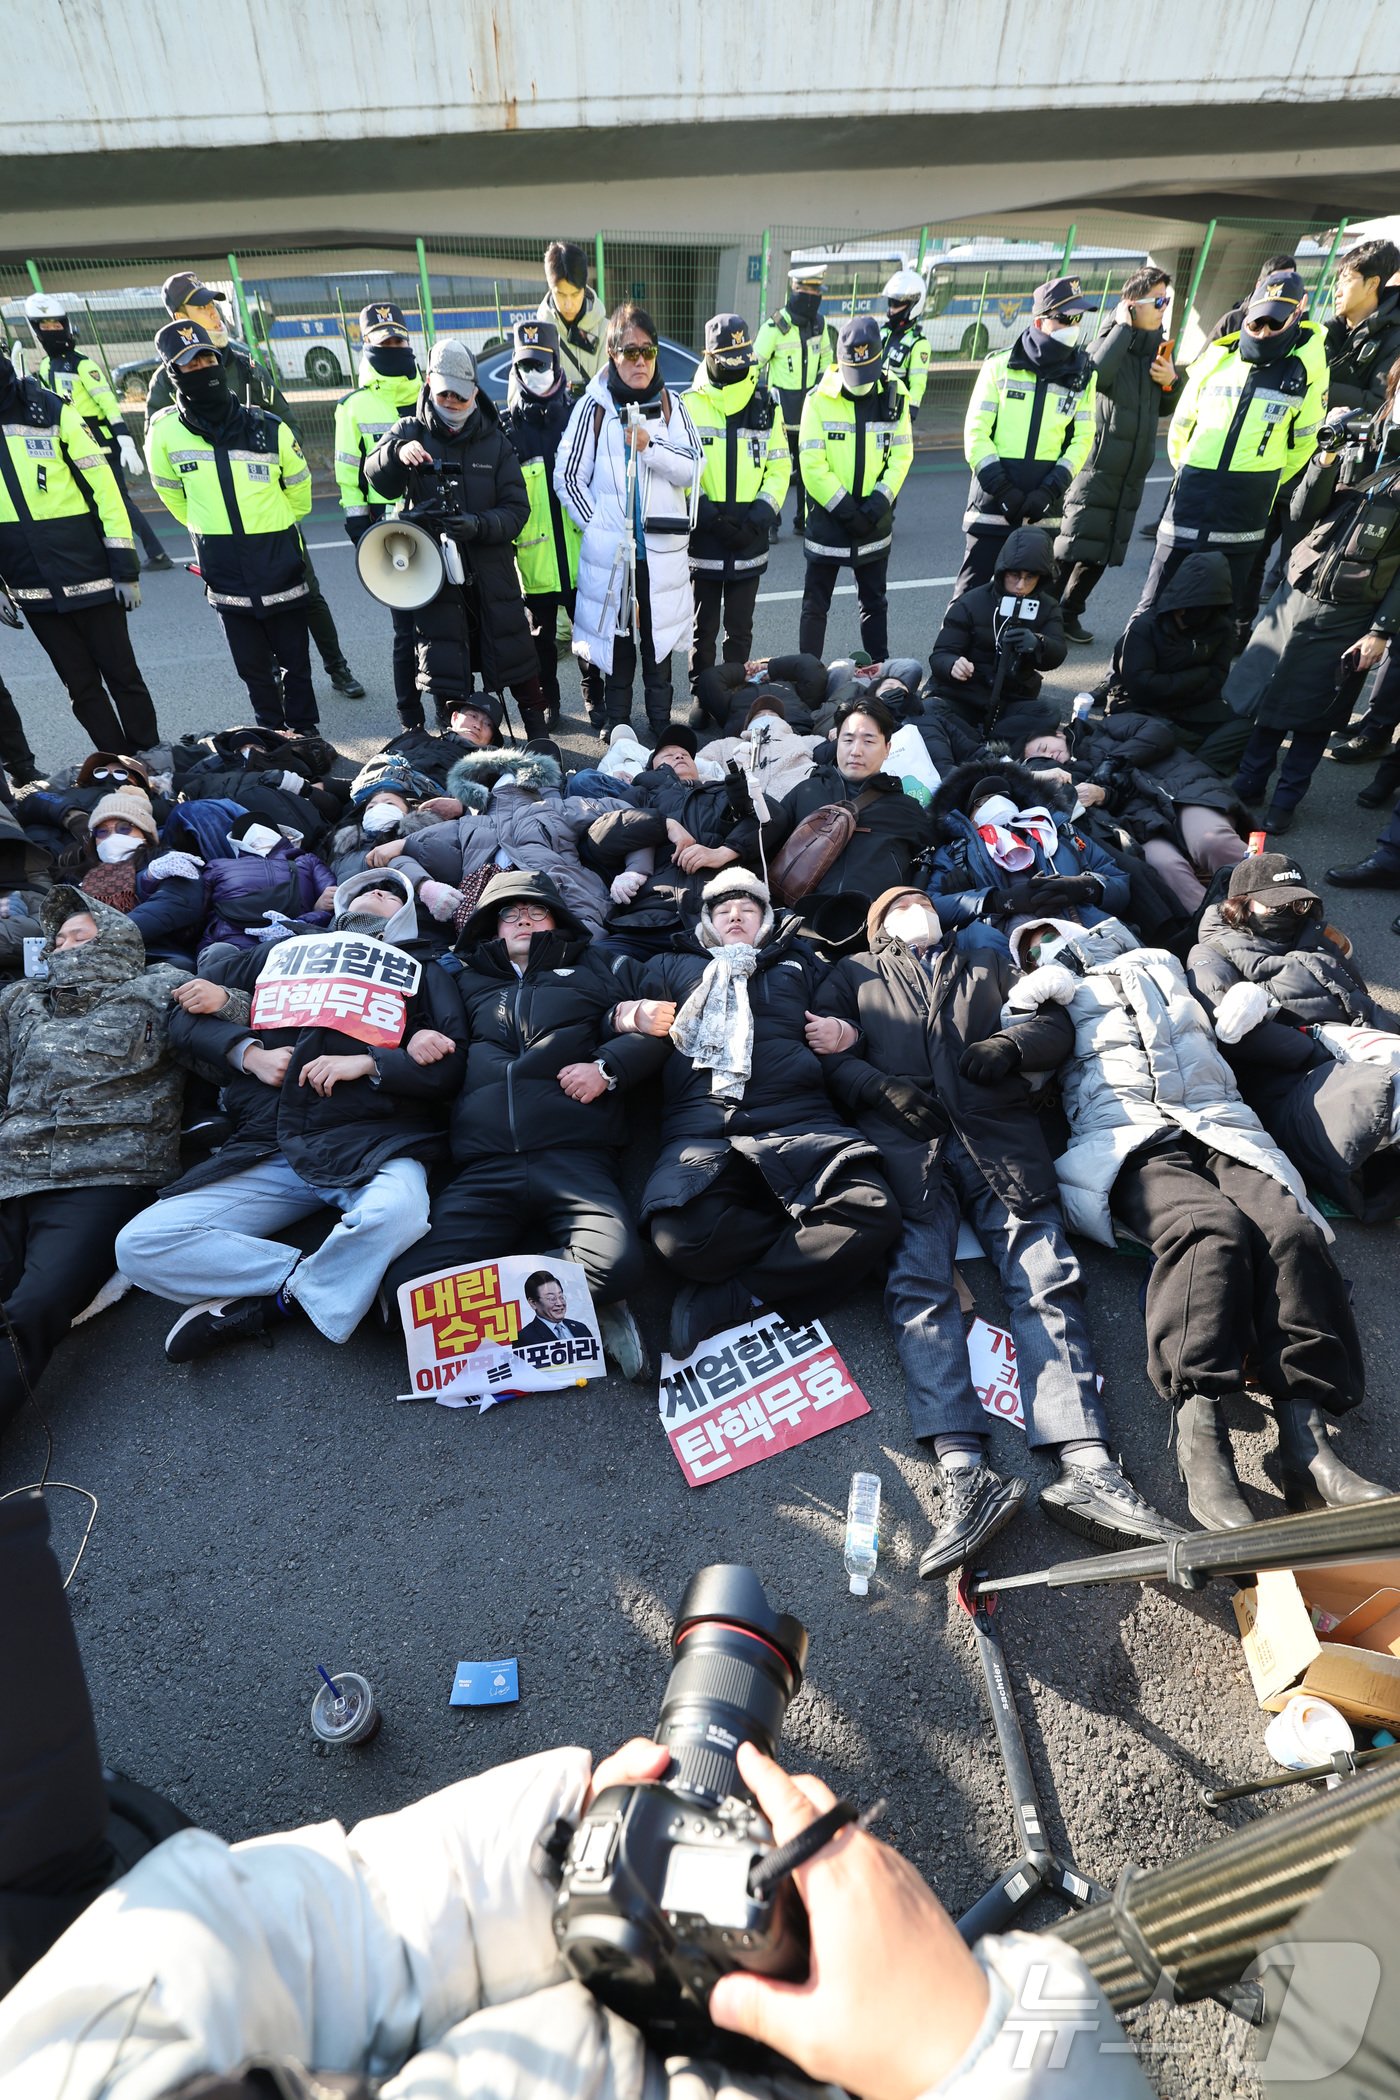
(207, 1244)
(1040, 1281)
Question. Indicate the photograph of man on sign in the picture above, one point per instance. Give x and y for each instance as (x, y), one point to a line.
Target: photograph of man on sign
(544, 1294)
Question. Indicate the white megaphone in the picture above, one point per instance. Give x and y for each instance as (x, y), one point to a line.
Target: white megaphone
(400, 564)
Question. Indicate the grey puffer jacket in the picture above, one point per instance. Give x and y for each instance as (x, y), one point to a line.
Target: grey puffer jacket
(525, 817)
(90, 1095)
(1145, 1063)
(415, 1953)
(1332, 1117)
(1102, 500)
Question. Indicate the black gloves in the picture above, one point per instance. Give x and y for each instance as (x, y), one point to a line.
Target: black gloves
(1016, 640)
(356, 528)
(463, 528)
(706, 513)
(1058, 892)
(910, 1107)
(1012, 505)
(875, 512)
(995, 1059)
(1036, 504)
(847, 511)
(1012, 900)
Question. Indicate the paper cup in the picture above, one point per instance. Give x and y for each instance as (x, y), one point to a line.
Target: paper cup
(1307, 1732)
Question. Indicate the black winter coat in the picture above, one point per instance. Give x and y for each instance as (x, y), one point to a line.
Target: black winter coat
(785, 1124)
(1166, 669)
(340, 1140)
(724, 693)
(1146, 776)
(1332, 1119)
(520, 1032)
(891, 832)
(915, 1023)
(973, 626)
(1359, 359)
(493, 496)
(1102, 501)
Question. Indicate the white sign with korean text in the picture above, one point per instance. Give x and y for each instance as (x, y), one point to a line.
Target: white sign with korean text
(521, 1324)
(752, 1391)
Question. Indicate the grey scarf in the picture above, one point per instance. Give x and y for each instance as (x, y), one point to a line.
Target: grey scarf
(714, 1027)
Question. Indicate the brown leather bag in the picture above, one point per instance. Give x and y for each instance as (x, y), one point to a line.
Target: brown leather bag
(813, 848)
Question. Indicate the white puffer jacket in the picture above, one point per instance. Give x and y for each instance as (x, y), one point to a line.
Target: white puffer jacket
(1145, 1061)
(590, 480)
(417, 1950)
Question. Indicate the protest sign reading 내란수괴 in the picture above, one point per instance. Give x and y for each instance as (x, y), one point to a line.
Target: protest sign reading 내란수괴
(346, 981)
(521, 1324)
(755, 1389)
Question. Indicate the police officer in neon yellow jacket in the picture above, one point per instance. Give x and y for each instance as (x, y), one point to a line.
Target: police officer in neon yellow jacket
(855, 452)
(1249, 414)
(538, 406)
(388, 389)
(792, 349)
(77, 379)
(236, 478)
(1028, 428)
(744, 477)
(906, 346)
(69, 561)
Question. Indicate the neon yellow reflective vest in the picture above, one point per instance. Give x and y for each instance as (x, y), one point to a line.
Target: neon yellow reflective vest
(240, 499)
(362, 420)
(852, 449)
(791, 361)
(86, 387)
(65, 538)
(906, 357)
(1027, 427)
(1236, 430)
(745, 470)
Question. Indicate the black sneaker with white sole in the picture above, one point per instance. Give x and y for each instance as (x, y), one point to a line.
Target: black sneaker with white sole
(1100, 1503)
(977, 1504)
(209, 1326)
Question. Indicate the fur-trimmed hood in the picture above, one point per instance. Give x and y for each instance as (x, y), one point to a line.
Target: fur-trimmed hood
(474, 776)
(1016, 781)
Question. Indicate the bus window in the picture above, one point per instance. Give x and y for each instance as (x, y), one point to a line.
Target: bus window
(940, 294)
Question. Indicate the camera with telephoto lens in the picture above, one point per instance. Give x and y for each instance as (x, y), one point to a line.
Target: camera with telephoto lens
(656, 1903)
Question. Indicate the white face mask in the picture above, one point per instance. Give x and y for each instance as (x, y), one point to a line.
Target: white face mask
(855, 386)
(118, 846)
(454, 418)
(381, 818)
(259, 839)
(912, 923)
(536, 382)
(1068, 334)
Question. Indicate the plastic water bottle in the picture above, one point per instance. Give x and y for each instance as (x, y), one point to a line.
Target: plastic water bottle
(1083, 705)
(862, 1531)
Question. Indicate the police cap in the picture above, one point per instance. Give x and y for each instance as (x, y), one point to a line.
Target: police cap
(187, 289)
(727, 335)
(858, 346)
(179, 341)
(534, 339)
(381, 318)
(1062, 295)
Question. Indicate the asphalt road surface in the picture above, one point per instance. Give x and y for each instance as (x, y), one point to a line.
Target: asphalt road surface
(272, 1507)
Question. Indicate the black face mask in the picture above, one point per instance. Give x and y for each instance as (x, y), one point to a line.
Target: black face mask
(901, 312)
(56, 342)
(1268, 349)
(805, 307)
(391, 363)
(205, 389)
(1282, 928)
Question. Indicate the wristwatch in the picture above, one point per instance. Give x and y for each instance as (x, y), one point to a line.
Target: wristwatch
(611, 1077)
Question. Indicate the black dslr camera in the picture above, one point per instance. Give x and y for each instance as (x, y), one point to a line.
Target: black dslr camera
(655, 1904)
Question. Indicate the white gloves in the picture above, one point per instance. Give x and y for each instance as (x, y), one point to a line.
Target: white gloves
(292, 783)
(1243, 1007)
(129, 453)
(441, 899)
(624, 887)
(128, 596)
(168, 864)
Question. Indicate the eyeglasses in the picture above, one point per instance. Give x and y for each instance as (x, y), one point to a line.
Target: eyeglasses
(638, 353)
(516, 914)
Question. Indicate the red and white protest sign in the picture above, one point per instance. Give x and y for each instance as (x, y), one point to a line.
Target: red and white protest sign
(521, 1324)
(753, 1390)
(347, 981)
(995, 1378)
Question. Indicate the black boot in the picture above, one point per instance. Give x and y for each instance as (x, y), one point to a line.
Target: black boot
(1314, 1477)
(1206, 1464)
(1383, 789)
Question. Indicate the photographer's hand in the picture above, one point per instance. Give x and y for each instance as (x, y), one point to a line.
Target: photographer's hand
(633, 1765)
(887, 1961)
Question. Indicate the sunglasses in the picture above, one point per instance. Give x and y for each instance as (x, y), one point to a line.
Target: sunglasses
(1301, 907)
(533, 364)
(1162, 299)
(638, 353)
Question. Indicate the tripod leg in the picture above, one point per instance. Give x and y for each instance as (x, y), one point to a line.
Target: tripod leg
(1011, 1742)
(1004, 1900)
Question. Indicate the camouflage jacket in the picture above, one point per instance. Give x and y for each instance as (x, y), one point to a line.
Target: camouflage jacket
(89, 1093)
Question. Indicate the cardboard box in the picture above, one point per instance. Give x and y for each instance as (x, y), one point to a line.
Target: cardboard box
(1331, 1631)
